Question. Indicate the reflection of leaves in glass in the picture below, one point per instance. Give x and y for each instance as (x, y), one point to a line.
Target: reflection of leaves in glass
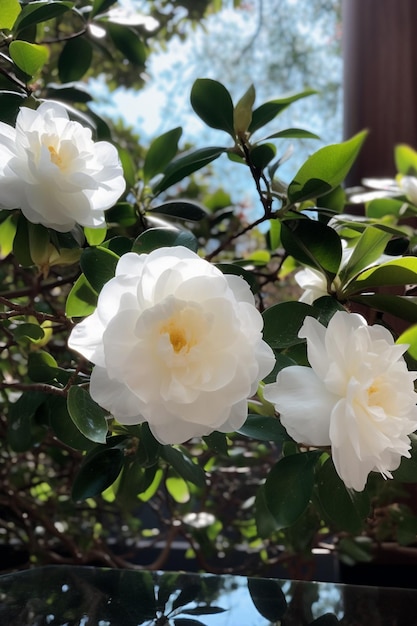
(268, 598)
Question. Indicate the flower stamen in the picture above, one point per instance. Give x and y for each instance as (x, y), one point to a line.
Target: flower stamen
(55, 158)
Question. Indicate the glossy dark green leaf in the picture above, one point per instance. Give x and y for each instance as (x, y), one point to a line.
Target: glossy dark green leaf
(283, 321)
(28, 332)
(154, 238)
(186, 621)
(98, 471)
(10, 102)
(313, 243)
(182, 209)
(149, 448)
(40, 11)
(128, 43)
(82, 299)
(161, 151)
(63, 426)
(42, 367)
(183, 465)
(70, 93)
(293, 133)
(99, 6)
(129, 168)
(266, 524)
(79, 49)
(335, 200)
(327, 307)
(21, 244)
(99, 266)
(122, 213)
(268, 598)
(325, 169)
(289, 487)
(261, 155)
(407, 471)
(87, 415)
(217, 442)
(237, 270)
(185, 165)
(213, 104)
(204, 610)
(119, 245)
(267, 111)
(21, 413)
(263, 428)
(346, 509)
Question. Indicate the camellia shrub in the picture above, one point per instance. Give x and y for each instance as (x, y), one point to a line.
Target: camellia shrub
(146, 359)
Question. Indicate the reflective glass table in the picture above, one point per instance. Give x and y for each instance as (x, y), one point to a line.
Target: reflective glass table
(87, 596)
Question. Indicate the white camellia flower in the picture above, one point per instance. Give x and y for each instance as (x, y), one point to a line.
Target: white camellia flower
(52, 170)
(408, 185)
(358, 397)
(176, 343)
(314, 283)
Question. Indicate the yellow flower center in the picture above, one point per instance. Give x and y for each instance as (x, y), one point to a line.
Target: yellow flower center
(184, 329)
(55, 158)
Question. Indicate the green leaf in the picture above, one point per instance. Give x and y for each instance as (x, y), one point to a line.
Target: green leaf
(185, 165)
(293, 133)
(237, 270)
(407, 471)
(183, 465)
(63, 426)
(95, 236)
(99, 6)
(21, 245)
(10, 103)
(368, 249)
(10, 9)
(178, 489)
(325, 169)
(267, 111)
(161, 151)
(129, 167)
(399, 272)
(149, 448)
(98, 471)
(99, 266)
(289, 486)
(242, 114)
(186, 595)
(402, 306)
(40, 11)
(28, 332)
(380, 207)
(78, 49)
(313, 243)
(154, 238)
(128, 42)
(87, 415)
(283, 321)
(266, 524)
(190, 211)
(346, 509)
(19, 432)
(213, 104)
(262, 154)
(409, 337)
(70, 93)
(217, 442)
(263, 428)
(405, 160)
(82, 299)
(268, 598)
(122, 213)
(42, 367)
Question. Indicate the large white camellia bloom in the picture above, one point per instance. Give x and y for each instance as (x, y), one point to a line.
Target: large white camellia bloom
(175, 343)
(358, 397)
(52, 170)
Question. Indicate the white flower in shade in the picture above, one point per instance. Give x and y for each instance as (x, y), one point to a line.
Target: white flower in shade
(408, 185)
(358, 397)
(175, 343)
(52, 170)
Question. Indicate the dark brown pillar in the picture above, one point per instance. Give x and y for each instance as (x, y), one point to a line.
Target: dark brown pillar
(380, 80)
